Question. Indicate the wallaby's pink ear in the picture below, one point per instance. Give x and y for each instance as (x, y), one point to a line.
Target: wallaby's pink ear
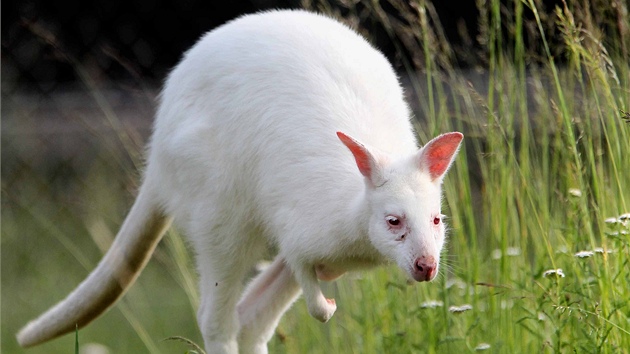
(438, 154)
(366, 162)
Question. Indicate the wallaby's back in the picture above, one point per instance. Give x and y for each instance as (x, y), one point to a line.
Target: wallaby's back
(270, 92)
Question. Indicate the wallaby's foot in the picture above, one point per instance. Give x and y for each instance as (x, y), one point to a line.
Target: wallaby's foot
(322, 309)
(319, 307)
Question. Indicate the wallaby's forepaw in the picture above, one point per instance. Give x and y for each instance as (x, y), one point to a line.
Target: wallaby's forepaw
(323, 309)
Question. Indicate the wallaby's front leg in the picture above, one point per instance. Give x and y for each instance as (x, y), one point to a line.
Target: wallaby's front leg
(319, 306)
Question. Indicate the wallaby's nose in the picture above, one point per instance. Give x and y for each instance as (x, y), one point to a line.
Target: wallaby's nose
(424, 268)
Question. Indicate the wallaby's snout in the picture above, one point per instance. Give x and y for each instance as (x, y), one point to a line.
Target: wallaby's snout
(424, 268)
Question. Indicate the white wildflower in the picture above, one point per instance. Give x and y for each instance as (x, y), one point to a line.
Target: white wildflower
(513, 251)
(507, 304)
(94, 348)
(460, 309)
(557, 272)
(456, 282)
(431, 304)
(510, 251)
(574, 192)
(482, 346)
(584, 254)
(542, 316)
(601, 250)
(611, 221)
(624, 217)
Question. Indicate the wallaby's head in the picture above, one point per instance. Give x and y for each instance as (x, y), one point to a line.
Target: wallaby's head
(404, 201)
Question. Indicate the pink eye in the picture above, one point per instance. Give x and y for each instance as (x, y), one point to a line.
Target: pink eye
(436, 220)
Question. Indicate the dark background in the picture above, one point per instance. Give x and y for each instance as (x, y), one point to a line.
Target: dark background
(42, 41)
(76, 76)
(114, 40)
(141, 39)
(69, 66)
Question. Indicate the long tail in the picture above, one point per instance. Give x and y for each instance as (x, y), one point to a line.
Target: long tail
(139, 235)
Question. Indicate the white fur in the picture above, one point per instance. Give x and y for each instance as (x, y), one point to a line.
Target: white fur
(245, 155)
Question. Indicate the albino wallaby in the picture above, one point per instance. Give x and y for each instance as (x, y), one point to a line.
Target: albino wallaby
(248, 151)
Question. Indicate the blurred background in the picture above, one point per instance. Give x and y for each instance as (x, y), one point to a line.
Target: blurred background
(66, 64)
(128, 40)
(539, 87)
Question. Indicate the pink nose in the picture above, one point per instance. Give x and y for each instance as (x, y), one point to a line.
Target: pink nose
(424, 268)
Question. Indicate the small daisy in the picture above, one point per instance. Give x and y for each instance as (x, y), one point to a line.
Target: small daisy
(624, 217)
(584, 254)
(562, 249)
(574, 192)
(431, 304)
(611, 221)
(460, 309)
(456, 282)
(507, 304)
(557, 272)
(513, 251)
(482, 346)
(510, 251)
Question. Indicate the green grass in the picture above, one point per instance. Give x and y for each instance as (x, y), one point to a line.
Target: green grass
(546, 162)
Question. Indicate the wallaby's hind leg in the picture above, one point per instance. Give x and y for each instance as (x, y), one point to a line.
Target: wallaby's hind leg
(267, 297)
(223, 259)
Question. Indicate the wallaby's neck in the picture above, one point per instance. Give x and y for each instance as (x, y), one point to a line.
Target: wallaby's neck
(356, 223)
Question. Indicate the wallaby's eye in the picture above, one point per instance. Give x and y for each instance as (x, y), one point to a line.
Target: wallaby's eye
(436, 220)
(393, 221)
